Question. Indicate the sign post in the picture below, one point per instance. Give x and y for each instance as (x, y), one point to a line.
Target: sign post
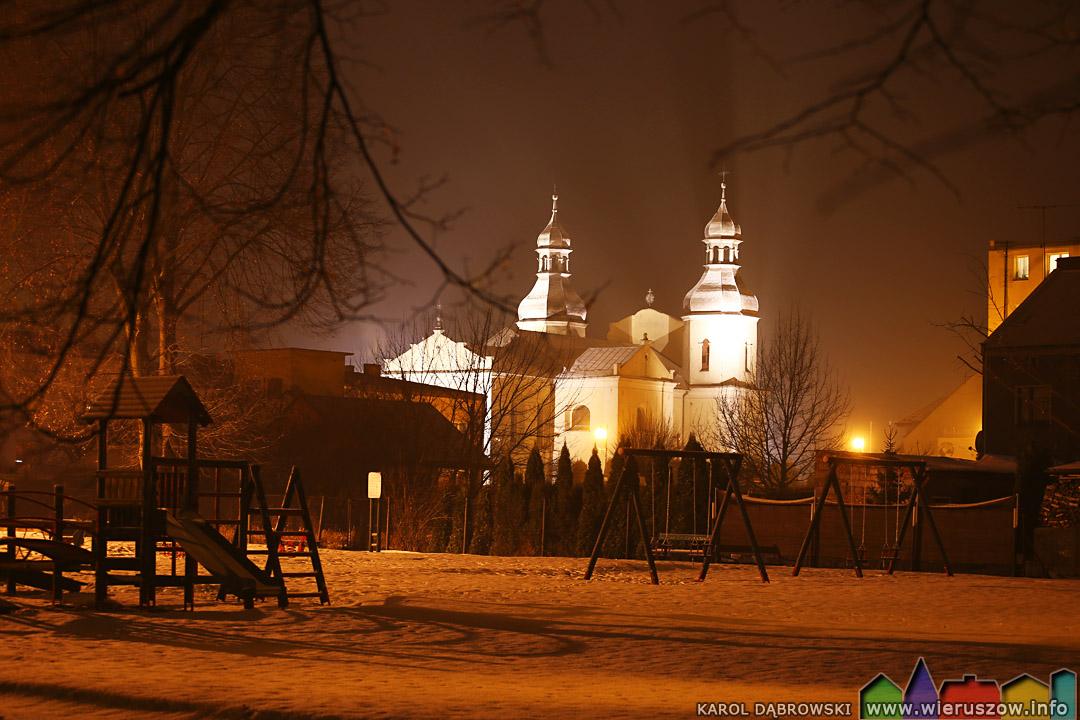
(374, 492)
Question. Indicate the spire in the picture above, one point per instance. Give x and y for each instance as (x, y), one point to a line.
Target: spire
(553, 235)
(721, 225)
(552, 305)
(719, 290)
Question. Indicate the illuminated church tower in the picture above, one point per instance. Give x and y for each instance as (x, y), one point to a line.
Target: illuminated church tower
(721, 317)
(553, 306)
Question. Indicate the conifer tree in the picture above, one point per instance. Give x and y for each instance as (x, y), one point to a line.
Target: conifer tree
(460, 489)
(688, 493)
(536, 487)
(439, 534)
(592, 505)
(615, 543)
(563, 516)
(481, 519)
(507, 515)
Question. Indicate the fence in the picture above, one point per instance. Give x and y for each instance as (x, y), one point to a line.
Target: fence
(979, 537)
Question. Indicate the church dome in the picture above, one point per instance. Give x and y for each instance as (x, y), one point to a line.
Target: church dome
(553, 236)
(721, 225)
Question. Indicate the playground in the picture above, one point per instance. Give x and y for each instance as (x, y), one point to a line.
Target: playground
(460, 635)
(109, 630)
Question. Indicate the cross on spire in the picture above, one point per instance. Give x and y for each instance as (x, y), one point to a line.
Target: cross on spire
(554, 198)
(723, 183)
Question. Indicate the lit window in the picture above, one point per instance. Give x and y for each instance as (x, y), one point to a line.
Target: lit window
(1021, 268)
(1054, 257)
(580, 418)
(704, 355)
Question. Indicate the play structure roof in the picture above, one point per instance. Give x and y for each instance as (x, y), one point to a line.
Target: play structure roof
(158, 398)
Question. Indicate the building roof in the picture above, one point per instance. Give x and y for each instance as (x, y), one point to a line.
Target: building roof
(601, 360)
(368, 383)
(1048, 316)
(158, 398)
(541, 353)
(383, 433)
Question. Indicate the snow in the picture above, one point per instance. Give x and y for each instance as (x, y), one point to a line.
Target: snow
(412, 635)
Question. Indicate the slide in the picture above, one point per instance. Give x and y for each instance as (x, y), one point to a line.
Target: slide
(41, 580)
(65, 555)
(224, 561)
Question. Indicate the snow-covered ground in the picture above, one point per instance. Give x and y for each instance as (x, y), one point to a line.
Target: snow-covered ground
(412, 635)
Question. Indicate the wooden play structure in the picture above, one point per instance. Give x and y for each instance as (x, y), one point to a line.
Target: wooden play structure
(918, 507)
(164, 508)
(664, 542)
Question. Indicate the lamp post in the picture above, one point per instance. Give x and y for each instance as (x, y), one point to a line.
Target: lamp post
(600, 435)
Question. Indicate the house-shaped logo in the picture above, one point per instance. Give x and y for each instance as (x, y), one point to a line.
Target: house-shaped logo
(1025, 696)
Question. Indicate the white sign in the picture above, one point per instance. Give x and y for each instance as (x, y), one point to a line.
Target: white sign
(374, 485)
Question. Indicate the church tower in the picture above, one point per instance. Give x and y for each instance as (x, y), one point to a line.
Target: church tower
(720, 315)
(553, 306)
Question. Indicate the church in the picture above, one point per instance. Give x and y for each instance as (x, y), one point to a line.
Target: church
(549, 382)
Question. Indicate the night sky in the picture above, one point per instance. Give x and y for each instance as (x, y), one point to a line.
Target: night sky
(626, 118)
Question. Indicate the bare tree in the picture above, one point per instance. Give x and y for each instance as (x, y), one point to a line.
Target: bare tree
(480, 353)
(1015, 64)
(185, 161)
(793, 406)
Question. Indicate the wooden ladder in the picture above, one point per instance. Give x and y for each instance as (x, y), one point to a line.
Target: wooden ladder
(278, 535)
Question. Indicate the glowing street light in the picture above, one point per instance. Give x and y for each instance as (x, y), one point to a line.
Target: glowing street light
(858, 443)
(600, 435)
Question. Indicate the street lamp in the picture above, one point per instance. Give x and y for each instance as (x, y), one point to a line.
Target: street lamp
(600, 435)
(858, 443)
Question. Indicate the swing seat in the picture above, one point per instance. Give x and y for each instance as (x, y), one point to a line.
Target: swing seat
(888, 554)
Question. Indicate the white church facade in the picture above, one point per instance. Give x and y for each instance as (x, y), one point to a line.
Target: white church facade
(650, 369)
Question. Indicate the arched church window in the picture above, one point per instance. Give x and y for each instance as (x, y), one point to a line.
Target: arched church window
(704, 355)
(580, 418)
(544, 264)
(566, 264)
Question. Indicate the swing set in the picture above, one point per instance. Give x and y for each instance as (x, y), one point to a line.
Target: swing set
(628, 487)
(917, 507)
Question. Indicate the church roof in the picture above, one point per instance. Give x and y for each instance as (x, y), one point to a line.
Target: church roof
(601, 360)
(718, 290)
(552, 298)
